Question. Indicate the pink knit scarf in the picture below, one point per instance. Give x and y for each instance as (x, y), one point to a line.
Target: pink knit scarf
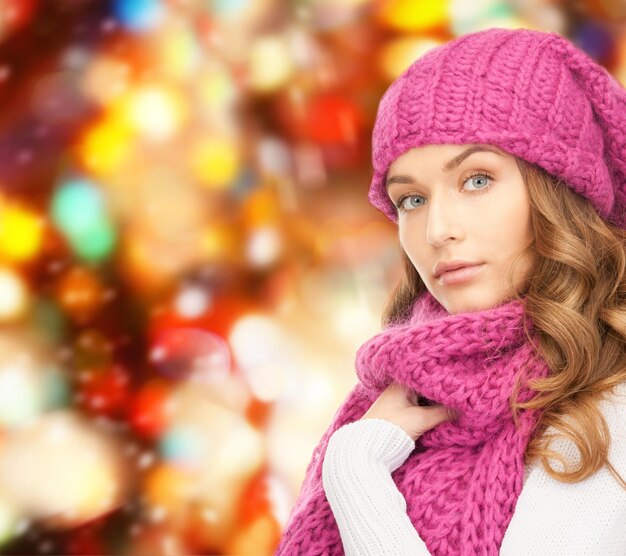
(462, 481)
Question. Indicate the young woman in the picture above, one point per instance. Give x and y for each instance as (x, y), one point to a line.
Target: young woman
(490, 414)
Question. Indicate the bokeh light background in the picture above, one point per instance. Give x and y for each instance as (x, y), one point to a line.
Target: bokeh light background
(187, 259)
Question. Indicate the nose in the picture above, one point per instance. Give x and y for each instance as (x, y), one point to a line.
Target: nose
(443, 224)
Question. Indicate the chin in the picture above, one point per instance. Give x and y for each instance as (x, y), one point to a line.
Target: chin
(467, 303)
(474, 296)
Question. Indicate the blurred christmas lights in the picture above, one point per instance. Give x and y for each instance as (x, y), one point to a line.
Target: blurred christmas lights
(183, 226)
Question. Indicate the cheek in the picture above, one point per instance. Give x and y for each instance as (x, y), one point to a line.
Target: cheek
(518, 226)
(513, 262)
(509, 231)
(413, 243)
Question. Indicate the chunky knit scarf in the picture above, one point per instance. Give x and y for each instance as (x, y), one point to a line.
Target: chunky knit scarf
(462, 481)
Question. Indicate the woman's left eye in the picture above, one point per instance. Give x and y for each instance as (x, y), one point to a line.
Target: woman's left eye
(484, 178)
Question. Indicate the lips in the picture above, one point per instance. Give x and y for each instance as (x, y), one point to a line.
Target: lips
(460, 275)
(441, 268)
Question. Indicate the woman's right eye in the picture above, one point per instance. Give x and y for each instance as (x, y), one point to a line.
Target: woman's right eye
(409, 202)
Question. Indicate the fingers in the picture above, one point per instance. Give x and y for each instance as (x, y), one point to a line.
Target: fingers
(453, 415)
(435, 415)
(398, 394)
(403, 394)
(399, 405)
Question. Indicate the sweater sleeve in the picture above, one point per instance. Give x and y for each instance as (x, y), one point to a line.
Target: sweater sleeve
(560, 519)
(574, 519)
(356, 473)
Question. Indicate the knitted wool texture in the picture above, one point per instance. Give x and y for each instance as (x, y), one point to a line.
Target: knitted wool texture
(532, 93)
(462, 481)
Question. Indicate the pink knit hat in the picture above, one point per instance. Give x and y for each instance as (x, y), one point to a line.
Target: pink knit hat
(531, 93)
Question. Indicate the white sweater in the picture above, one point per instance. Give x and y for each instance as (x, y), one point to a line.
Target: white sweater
(550, 519)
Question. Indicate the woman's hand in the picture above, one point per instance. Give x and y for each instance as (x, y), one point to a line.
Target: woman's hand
(398, 405)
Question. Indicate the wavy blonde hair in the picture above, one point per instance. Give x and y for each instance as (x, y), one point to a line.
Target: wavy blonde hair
(576, 298)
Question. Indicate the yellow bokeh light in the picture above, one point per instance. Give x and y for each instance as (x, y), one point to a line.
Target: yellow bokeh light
(9, 517)
(260, 536)
(13, 295)
(98, 489)
(215, 162)
(400, 53)
(21, 233)
(414, 15)
(178, 50)
(168, 486)
(106, 147)
(218, 242)
(216, 89)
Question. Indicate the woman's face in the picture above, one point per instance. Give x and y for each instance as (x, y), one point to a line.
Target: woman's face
(463, 203)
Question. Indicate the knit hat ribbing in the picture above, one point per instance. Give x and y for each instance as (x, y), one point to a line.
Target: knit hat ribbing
(531, 93)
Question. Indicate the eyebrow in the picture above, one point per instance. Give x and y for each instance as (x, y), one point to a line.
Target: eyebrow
(448, 166)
